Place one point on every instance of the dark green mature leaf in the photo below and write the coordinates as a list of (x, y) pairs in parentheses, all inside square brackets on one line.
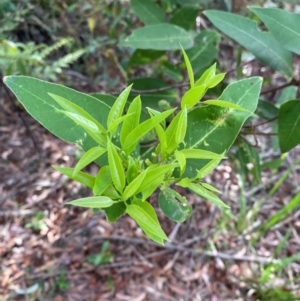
[(151, 99), (289, 125), (283, 25), (115, 211), (148, 11), (80, 177), (205, 50), (215, 128), (261, 44), (248, 154), (93, 202), (106, 98), (162, 36), (185, 17), (266, 110), (172, 208), (33, 94), (144, 56)]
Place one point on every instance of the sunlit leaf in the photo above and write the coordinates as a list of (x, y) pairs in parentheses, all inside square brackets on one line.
[(103, 180), (93, 202)]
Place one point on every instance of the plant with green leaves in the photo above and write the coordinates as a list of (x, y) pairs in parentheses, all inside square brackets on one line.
[(189, 143)]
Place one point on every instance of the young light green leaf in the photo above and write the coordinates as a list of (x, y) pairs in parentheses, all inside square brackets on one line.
[(210, 187), (146, 206), (133, 186), (181, 127), (185, 182), (150, 189), (173, 209), (146, 222), (189, 68), (142, 129), (73, 108), (207, 76), (215, 80), (132, 170), (155, 172), (103, 181), (180, 157), (117, 109), (83, 122), (133, 121), (80, 177), (160, 132), (113, 127), (207, 195), (111, 192), (225, 104), (193, 96), (93, 202), (90, 156), (208, 168), (116, 167), (200, 154)]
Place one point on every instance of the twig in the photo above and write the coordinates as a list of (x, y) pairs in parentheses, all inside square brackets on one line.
[(293, 82), (194, 250)]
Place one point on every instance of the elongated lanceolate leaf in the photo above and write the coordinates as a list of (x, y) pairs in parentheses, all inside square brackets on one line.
[(200, 154), (115, 211), (181, 126), (215, 128), (289, 125), (90, 156), (116, 110), (262, 44), (133, 186), (93, 202), (193, 96), (148, 11), (70, 107), (33, 94), (147, 223), (283, 25), (155, 173), (116, 167), (80, 177), (133, 121), (188, 68), (161, 36), (103, 180), (142, 129)]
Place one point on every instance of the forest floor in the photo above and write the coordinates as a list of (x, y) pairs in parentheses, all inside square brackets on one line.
[(49, 251)]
